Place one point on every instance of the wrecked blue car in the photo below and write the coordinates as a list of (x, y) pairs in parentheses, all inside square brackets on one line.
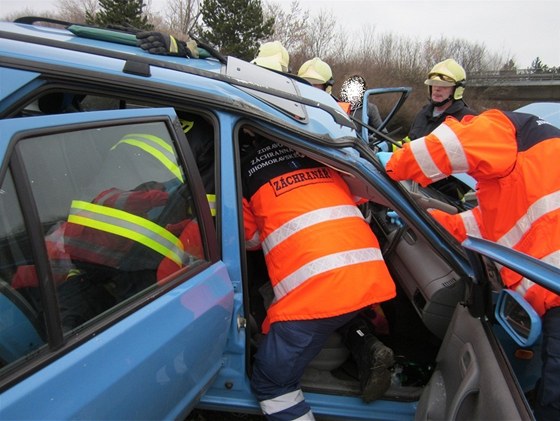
[(150, 309)]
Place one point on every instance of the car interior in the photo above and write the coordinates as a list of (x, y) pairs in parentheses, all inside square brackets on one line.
[(413, 324)]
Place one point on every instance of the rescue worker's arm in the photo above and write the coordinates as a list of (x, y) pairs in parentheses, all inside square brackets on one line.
[(252, 233), (460, 224), (483, 146), (139, 203)]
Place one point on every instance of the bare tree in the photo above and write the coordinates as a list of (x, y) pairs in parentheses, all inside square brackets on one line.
[(290, 27), (75, 10), (321, 36), (27, 11), (181, 16)]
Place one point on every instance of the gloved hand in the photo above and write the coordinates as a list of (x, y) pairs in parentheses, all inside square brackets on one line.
[(163, 44), (394, 218), (384, 157)]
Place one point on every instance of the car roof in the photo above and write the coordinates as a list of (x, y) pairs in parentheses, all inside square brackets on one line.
[(549, 111), (225, 82)]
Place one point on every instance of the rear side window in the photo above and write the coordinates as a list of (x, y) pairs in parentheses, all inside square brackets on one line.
[(118, 219)]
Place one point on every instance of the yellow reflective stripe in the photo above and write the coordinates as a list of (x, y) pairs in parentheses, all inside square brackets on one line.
[(212, 203), (175, 255), (186, 125), (150, 137), (132, 139), (126, 233), (167, 163), (173, 45)]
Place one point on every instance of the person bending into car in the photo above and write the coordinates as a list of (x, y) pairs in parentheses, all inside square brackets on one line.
[(323, 262), (513, 157)]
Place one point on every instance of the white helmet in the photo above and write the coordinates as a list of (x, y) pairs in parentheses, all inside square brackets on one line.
[(273, 55)]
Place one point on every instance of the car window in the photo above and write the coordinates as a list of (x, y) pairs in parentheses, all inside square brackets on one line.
[(198, 129), (118, 218)]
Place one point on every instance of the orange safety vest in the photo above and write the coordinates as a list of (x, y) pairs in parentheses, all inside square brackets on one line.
[(513, 157), (322, 258)]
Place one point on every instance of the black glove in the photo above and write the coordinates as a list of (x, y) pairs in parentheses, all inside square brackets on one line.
[(163, 44)]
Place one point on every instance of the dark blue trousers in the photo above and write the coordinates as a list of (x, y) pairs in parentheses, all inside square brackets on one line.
[(281, 359)]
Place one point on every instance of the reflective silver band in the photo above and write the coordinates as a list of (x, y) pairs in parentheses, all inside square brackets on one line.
[(325, 264), (537, 210), (282, 402), (307, 220)]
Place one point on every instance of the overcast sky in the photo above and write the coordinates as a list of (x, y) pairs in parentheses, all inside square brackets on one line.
[(524, 29)]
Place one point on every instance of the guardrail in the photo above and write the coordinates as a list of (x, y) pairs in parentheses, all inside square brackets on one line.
[(511, 75)]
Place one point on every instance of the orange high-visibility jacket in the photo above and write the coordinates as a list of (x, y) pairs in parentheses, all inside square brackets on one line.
[(461, 224), (322, 258), (514, 159)]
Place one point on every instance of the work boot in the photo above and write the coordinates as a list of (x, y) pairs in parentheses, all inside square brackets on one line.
[(374, 361)]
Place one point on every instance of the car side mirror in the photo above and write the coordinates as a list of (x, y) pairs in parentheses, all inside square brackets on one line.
[(518, 318)]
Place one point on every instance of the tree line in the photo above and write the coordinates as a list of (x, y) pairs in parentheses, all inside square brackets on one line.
[(238, 27)]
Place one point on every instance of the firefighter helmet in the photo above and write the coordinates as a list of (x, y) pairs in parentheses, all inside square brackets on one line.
[(448, 73), (317, 72), (273, 55)]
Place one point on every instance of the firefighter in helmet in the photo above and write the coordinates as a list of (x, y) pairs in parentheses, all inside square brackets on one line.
[(446, 85)]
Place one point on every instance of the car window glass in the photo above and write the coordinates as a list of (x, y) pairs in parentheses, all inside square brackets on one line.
[(117, 212), (198, 130)]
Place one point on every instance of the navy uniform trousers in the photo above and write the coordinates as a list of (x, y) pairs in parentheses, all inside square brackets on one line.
[(280, 361)]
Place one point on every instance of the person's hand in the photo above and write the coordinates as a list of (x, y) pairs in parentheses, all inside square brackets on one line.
[(384, 157), (162, 44), (394, 218)]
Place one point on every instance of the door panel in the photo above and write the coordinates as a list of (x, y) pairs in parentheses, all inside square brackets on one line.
[(470, 381), (156, 345)]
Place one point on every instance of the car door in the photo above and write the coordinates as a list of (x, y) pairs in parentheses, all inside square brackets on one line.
[(473, 379), (114, 303)]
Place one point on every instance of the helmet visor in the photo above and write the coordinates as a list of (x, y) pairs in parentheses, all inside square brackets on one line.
[(438, 79)]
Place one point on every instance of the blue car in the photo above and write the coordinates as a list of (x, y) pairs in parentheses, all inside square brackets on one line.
[(126, 291)]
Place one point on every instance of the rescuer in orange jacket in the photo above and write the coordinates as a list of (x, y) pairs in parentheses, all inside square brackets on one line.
[(514, 159), (323, 261)]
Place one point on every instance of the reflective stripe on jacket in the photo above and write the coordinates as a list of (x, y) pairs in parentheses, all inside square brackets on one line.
[(322, 258), (461, 224), (104, 231), (513, 157), (156, 147)]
